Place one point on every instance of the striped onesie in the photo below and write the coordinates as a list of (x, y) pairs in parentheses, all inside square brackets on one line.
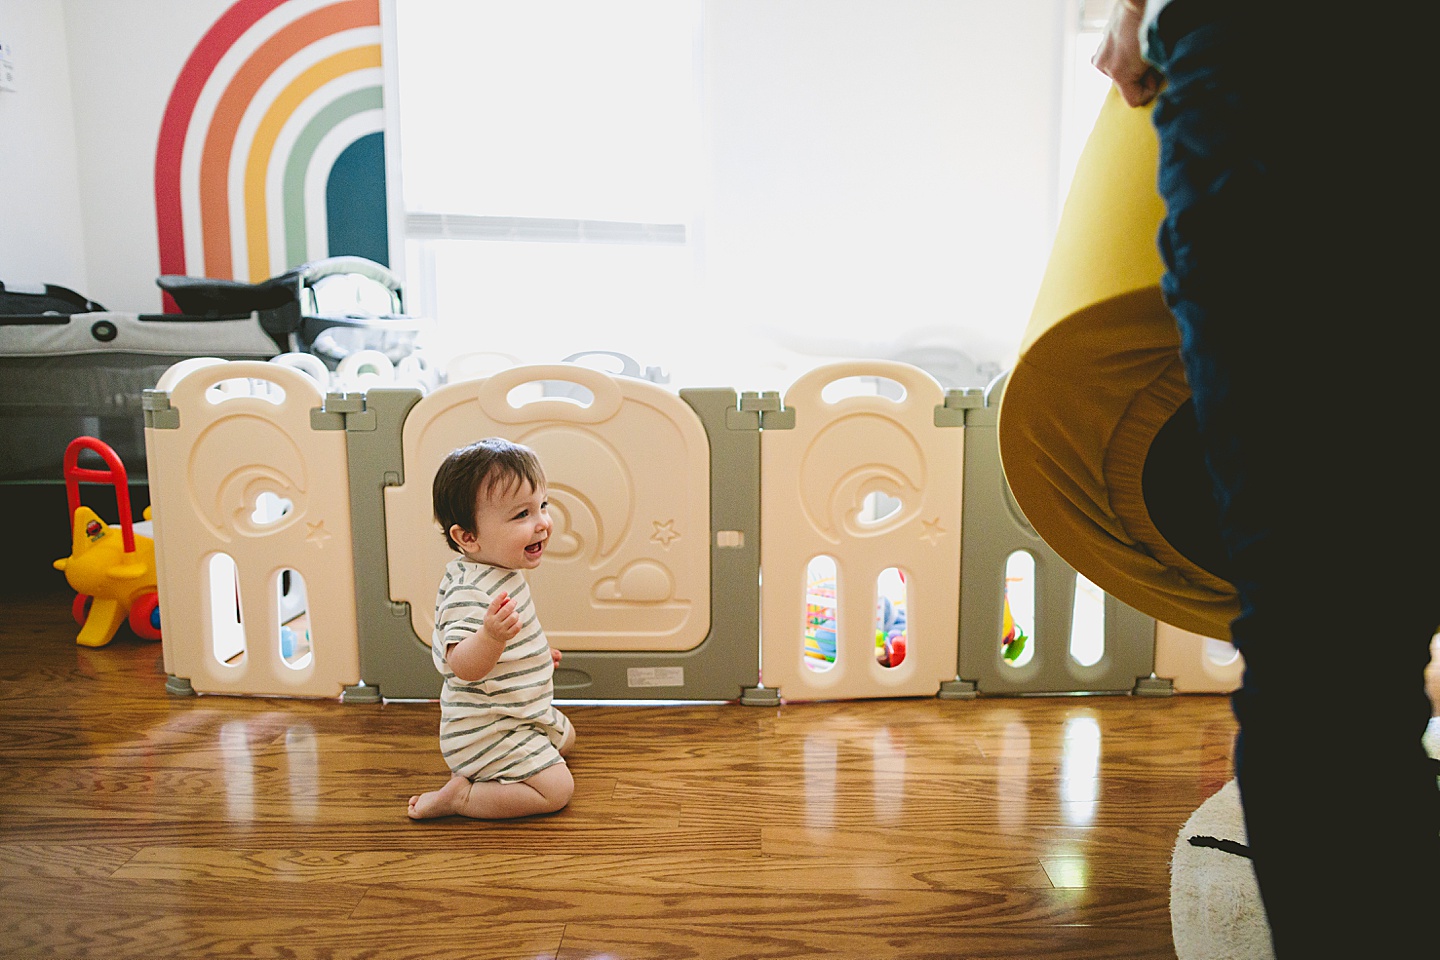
[(502, 727)]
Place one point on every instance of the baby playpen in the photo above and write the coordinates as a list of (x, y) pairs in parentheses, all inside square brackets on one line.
[(851, 537), (688, 526)]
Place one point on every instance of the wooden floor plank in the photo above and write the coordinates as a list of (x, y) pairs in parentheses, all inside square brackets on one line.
[(884, 938)]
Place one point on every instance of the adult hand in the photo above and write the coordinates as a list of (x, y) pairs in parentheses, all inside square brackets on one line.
[(1118, 56)]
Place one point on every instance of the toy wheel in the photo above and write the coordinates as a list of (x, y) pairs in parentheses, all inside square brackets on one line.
[(80, 607), (145, 617)]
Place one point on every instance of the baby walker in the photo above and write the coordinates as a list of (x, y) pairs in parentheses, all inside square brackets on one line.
[(111, 568)]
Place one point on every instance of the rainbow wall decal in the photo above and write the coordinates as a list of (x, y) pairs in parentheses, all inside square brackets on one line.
[(271, 147)]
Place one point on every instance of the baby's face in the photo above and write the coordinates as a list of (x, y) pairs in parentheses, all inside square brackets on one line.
[(512, 526)]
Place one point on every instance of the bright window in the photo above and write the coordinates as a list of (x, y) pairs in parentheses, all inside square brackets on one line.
[(734, 191), (549, 158), (565, 109)]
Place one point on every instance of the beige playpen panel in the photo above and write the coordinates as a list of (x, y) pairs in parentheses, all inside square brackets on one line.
[(1194, 663), (208, 480), (628, 566), (815, 479)]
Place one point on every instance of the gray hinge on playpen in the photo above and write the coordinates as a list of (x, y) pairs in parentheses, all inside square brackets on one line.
[(342, 411), (958, 690), (1153, 686), (158, 412), (360, 693), (351, 413), (966, 407), (953, 412), (760, 697), (760, 411)]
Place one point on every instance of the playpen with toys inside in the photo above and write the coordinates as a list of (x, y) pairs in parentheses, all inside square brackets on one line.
[(667, 506)]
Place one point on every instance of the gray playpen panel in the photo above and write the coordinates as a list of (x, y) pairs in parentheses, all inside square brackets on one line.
[(396, 664), (994, 529)]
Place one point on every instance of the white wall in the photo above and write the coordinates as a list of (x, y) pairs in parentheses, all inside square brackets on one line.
[(41, 237), (124, 60), (77, 141)]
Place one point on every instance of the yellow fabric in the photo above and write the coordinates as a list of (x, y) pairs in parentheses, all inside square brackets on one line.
[(1099, 374)]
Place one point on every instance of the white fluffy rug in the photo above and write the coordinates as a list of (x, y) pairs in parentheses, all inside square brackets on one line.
[(1215, 911)]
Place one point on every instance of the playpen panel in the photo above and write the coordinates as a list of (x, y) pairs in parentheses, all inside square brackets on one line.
[(1195, 663), (821, 482), (627, 462), (996, 530), (250, 502)]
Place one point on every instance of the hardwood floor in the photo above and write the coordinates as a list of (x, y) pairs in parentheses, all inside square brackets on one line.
[(138, 824)]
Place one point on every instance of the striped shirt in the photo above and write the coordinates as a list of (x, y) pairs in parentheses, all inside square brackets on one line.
[(502, 727)]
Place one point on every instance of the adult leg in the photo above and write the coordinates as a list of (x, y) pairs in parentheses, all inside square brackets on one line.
[(1306, 341)]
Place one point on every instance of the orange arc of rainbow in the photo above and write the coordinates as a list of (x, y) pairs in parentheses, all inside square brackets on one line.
[(257, 227), (230, 111)]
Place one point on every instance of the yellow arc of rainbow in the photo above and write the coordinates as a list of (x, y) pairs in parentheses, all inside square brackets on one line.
[(257, 227)]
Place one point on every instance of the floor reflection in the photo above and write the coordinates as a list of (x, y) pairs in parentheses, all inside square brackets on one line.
[(1080, 769), (237, 765), (820, 754), (302, 760), (888, 767), (1013, 787), (831, 761), (293, 753)]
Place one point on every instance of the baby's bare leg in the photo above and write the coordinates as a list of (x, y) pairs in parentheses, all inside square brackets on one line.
[(547, 791), (568, 742)]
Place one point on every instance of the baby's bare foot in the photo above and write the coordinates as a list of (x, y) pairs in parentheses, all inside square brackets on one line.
[(439, 803)]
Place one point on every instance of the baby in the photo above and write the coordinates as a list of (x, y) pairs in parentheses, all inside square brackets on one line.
[(503, 740)]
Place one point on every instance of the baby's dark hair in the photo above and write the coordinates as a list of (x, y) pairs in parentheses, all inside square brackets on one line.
[(484, 465)]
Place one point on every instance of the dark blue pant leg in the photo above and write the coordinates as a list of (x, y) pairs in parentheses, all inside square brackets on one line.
[(1299, 257)]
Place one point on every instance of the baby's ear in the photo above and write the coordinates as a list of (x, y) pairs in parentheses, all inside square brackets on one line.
[(461, 536)]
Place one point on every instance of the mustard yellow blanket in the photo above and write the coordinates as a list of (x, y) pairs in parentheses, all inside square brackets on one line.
[(1099, 375)]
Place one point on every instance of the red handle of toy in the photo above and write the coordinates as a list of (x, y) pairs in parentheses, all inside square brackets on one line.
[(115, 474)]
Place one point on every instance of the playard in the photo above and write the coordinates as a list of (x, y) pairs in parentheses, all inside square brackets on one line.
[(72, 368), (847, 538)]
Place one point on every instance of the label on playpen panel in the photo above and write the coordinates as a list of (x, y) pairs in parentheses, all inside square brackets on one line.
[(655, 677)]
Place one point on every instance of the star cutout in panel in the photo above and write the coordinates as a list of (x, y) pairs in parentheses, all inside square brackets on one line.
[(934, 533), (664, 532), (316, 532)]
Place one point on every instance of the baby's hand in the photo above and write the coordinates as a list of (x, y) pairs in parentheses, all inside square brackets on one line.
[(502, 620), (554, 657)]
